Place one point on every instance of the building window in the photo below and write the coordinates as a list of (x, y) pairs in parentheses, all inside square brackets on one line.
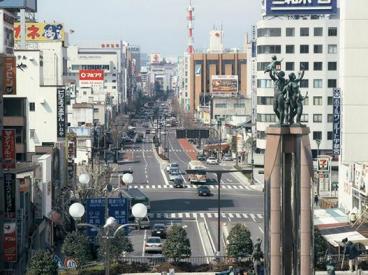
[(330, 118), (304, 48), (220, 105), (261, 134), (332, 31), (317, 66), (264, 83), (332, 66), (32, 106), (306, 101), (304, 31), (317, 135), (317, 83), (332, 48), (332, 83), (304, 83), (290, 31), (268, 32), (289, 66), (114, 87), (266, 117), (239, 105), (290, 49), (329, 135), (329, 100), (304, 66), (264, 100), (318, 31), (261, 66), (317, 100), (318, 48), (317, 118), (95, 110), (304, 118), (268, 49)]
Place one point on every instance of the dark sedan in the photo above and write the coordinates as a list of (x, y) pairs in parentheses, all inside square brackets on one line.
[(203, 191), (159, 230)]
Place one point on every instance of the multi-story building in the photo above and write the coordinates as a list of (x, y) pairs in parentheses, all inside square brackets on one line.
[(353, 138), (183, 83), (307, 43)]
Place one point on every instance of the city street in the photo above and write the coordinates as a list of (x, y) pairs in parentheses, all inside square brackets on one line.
[(240, 202)]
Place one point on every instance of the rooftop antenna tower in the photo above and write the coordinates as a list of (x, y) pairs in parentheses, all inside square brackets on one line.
[(190, 19)]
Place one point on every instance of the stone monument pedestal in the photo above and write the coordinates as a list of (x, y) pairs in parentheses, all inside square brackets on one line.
[(288, 201)]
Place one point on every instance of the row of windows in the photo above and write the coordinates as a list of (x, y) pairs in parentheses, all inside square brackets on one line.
[(235, 105), (317, 100), (90, 67), (266, 117), (290, 66), (276, 32), (304, 83), (290, 49), (316, 134)]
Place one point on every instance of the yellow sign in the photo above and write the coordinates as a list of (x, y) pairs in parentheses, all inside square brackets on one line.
[(41, 32)]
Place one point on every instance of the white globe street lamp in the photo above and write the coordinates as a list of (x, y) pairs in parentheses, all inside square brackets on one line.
[(84, 179), (127, 178), (110, 221), (139, 210), (76, 210)]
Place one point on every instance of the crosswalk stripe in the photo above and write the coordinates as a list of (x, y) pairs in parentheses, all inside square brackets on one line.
[(173, 215), (158, 186), (209, 215), (260, 216), (195, 215), (253, 217), (231, 215), (159, 215), (201, 215), (166, 215), (223, 215), (212, 187), (238, 215), (241, 187), (245, 215), (180, 215), (235, 187), (153, 186), (187, 215), (216, 215), (229, 187)]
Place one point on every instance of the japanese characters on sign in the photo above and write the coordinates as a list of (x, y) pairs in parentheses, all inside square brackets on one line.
[(304, 7), (61, 113), (118, 208), (87, 77), (336, 128), (9, 194), (224, 84), (10, 242), (41, 32), (8, 142), (9, 75)]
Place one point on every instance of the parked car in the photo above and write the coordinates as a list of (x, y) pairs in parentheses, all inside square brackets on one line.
[(212, 160), (203, 191), (159, 230), (174, 174), (201, 157), (172, 165), (178, 183), (148, 131), (228, 157), (153, 244)]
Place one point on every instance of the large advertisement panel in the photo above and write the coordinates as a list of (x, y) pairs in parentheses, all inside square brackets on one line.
[(41, 32), (10, 75), (224, 84), (30, 5), (6, 32), (8, 142), (336, 133), (91, 77), (10, 242), (300, 7), (9, 195), (61, 113)]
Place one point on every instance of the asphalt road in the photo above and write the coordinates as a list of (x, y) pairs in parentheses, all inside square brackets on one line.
[(240, 203)]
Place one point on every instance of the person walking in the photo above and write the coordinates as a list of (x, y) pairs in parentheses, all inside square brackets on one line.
[(316, 199)]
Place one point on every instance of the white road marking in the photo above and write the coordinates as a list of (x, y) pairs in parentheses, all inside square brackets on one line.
[(187, 215), (209, 215), (201, 215), (253, 217), (238, 215), (245, 215), (200, 237), (260, 229), (153, 186), (144, 242), (260, 216), (231, 215), (180, 215), (164, 176), (173, 215)]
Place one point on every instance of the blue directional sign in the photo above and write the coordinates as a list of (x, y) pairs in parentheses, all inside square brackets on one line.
[(300, 7), (118, 208), (95, 209)]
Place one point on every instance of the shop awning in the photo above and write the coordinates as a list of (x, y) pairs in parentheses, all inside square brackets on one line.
[(330, 217)]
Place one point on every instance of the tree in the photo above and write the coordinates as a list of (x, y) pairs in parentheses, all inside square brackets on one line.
[(320, 249), (117, 245), (177, 245), (42, 263), (239, 242), (76, 246)]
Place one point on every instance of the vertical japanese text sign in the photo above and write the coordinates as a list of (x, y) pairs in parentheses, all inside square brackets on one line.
[(336, 132), (61, 113)]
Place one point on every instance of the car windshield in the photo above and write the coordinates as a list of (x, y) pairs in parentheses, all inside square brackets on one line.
[(175, 172), (173, 165), (154, 240), (159, 226)]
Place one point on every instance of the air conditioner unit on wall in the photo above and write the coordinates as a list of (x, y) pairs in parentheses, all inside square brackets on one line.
[(32, 133)]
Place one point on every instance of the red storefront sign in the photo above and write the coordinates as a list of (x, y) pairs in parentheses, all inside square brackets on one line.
[(10, 242), (91, 76), (8, 148), (10, 75)]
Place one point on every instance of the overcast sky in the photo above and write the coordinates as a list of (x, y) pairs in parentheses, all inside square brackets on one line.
[(154, 25)]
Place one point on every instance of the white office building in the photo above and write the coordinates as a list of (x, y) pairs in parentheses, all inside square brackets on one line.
[(311, 42)]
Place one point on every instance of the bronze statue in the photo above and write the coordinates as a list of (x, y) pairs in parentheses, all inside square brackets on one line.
[(288, 101), (257, 256)]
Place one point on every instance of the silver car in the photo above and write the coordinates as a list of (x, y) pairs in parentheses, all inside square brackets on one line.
[(153, 244)]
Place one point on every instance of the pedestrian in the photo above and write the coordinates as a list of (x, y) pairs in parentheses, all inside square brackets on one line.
[(316, 199)]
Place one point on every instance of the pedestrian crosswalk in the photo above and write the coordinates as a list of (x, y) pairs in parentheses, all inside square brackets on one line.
[(253, 217), (234, 187), (151, 150)]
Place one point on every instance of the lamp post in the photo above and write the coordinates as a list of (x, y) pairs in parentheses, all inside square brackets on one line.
[(139, 211), (219, 125), (76, 210), (127, 179), (318, 142)]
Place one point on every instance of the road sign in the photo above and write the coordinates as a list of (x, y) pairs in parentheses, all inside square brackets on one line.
[(118, 208), (323, 164), (70, 263), (192, 133)]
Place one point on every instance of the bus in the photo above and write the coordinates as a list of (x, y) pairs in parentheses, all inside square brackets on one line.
[(199, 177), (135, 195)]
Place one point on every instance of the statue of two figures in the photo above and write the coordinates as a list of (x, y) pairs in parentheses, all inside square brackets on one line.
[(288, 100)]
